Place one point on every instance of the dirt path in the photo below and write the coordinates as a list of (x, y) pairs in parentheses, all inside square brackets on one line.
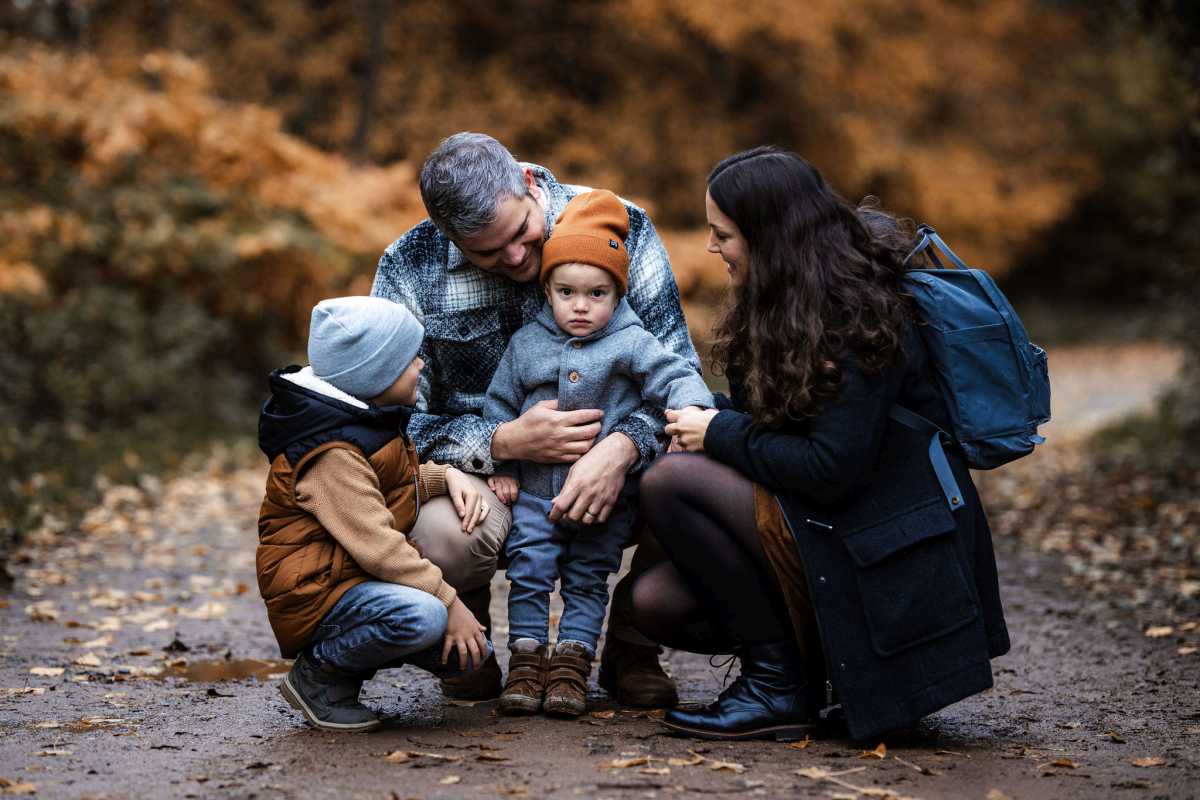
[(158, 599)]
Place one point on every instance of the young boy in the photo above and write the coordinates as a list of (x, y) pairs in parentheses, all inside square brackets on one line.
[(585, 349), (346, 592)]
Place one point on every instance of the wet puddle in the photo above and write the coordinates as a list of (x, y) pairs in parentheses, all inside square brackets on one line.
[(232, 670)]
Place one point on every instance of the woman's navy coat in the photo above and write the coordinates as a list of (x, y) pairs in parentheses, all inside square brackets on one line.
[(905, 591)]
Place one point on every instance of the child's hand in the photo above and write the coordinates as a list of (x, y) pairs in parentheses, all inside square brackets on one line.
[(505, 487), (468, 502), (465, 633)]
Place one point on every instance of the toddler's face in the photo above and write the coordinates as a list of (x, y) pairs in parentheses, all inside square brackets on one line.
[(404, 391), (582, 298)]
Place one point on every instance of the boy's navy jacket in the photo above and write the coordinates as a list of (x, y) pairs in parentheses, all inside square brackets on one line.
[(616, 368), (296, 419), (905, 591)]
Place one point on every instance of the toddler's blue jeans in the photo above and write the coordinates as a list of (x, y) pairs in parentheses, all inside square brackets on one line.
[(378, 625), (582, 556)]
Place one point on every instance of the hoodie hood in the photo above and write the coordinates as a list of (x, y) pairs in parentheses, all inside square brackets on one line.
[(302, 414), (623, 317)]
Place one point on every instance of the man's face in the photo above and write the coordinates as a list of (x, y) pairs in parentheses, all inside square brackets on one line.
[(512, 245)]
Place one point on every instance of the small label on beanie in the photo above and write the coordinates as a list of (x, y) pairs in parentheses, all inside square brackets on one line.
[(613, 244)]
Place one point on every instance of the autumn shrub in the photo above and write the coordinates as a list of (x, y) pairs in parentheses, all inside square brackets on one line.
[(143, 296)]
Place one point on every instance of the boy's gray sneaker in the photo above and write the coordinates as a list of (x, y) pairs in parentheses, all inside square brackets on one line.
[(326, 697)]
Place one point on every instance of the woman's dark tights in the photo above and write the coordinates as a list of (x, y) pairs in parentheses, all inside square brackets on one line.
[(717, 590)]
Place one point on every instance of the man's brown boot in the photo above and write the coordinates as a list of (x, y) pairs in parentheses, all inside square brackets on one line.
[(631, 675), (526, 684), (566, 687), (483, 683)]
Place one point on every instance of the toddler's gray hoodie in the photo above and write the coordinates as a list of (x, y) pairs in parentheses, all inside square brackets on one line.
[(614, 369)]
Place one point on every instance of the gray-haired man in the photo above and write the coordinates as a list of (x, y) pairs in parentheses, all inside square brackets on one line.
[(469, 273)]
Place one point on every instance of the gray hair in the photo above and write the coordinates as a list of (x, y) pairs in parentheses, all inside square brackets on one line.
[(464, 180)]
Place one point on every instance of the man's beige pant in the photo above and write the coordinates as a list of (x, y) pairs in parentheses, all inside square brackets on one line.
[(467, 560)]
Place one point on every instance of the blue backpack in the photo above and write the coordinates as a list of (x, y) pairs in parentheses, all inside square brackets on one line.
[(994, 380)]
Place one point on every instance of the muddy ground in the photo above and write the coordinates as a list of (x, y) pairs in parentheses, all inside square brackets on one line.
[(114, 641)]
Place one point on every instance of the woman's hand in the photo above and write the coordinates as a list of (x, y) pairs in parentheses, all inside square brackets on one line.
[(688, 425), (465, 633), (468, 502), (505, 487)]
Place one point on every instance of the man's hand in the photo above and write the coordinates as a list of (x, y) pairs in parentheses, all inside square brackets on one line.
[(546, 435), (688, 426), (464, 632), (505, 488), (468, 502), (594, 481)]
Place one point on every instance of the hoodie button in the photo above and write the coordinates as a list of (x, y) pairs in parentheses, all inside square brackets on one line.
[(577, 345), (573, 377)]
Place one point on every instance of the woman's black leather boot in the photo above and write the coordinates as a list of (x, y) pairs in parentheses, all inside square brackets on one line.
[(768, 699)]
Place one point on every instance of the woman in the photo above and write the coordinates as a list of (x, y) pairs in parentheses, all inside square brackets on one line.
[(806, 531)]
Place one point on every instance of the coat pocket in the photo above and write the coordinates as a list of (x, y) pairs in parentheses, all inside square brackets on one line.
[(912, 582)]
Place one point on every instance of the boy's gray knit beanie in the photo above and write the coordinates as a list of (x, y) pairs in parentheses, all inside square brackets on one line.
[(362, 344)]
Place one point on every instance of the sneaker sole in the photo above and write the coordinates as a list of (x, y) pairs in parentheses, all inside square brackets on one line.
[(523, 709), (564, 708), (296, 701), (780, 733)]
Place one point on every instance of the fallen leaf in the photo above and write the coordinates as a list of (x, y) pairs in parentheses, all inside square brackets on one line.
[(54, 752), (50, 723), (1190, 626), (17, 787), (1116, 737), (1187, 650), (686, 762), (625, 763), (996, 794), (1065, 763), (403, 756), (470, 734), (103, 641), (46, 672), (1069, 726), (603, 714), (450, 780), (512, 791), (1159, 631), (726, 766), (156, 625), (20, 690), (42, 611), (1149, 761), (802, 744), (655, 771), (497, 757), (89, 660), (879, 752), (950, 753)]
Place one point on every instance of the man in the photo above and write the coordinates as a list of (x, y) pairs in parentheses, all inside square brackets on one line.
[(469, 272)]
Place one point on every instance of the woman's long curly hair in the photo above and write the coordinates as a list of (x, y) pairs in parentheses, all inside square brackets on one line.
[(820, 286)]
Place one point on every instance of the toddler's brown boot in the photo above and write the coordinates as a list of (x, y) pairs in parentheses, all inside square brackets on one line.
[(526, 684), (566, 686)]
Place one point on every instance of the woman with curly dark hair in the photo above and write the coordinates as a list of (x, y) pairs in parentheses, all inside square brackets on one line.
[(807, 531)]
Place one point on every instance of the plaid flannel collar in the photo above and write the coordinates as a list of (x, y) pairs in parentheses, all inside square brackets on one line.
[(557, 196)]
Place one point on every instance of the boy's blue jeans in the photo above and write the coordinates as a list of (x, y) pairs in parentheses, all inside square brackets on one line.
[(377, 625), (582, 556)]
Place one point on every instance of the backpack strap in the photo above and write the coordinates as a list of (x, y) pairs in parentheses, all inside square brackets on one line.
[(928, 242), (937, 452)]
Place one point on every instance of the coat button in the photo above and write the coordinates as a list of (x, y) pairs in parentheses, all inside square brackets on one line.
[(821, 579), (573, 377), (577, 345), (477, 463)]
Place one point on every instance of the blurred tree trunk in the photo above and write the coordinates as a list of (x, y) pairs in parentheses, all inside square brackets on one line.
[(374, 14)]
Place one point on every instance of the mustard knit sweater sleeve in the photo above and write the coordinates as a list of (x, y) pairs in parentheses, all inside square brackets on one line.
[(342, 491)]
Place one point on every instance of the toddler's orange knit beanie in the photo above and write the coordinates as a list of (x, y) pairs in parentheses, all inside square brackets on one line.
[(590, 230)]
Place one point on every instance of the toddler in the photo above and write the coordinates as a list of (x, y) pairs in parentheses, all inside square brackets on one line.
[(585, 349)]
